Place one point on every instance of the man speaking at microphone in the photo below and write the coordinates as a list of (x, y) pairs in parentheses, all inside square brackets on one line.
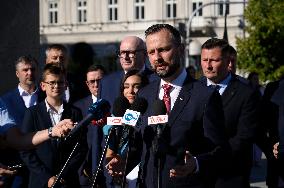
[(195, 119)]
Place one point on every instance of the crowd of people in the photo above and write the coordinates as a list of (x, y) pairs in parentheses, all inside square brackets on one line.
[(218, 125)]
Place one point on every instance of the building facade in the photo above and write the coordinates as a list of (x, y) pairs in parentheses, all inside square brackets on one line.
[(103, 23)]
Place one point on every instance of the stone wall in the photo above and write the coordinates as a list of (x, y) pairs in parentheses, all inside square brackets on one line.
[(19, 35)]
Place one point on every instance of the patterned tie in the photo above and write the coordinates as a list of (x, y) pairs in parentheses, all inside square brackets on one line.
[(167, 99)]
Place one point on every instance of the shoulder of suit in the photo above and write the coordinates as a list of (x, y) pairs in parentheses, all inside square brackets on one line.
[(113, 75), (11, 94), (82, 101)]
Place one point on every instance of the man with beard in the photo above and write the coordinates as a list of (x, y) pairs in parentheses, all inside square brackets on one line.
[(192, 145)]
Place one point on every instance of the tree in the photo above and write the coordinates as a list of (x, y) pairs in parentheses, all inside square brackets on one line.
[(263, 50)]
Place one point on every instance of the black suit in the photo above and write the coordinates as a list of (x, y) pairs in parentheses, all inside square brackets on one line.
[(47, 159), (278, 99), (240, 105), (195, 124)]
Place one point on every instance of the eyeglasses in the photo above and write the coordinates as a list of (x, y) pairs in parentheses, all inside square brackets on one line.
[(94, 81), (53, 83), (130, 54)]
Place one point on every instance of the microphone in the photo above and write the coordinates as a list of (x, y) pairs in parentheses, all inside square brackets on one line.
[(96, 111), (131, 121), (120, 105), (160, 117)]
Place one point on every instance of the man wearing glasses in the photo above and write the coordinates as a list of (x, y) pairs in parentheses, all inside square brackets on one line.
[(93, 76), (47, 160), (132, 55)]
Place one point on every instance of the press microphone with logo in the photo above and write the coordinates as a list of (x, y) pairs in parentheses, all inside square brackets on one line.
[(120, 105), (128, 146), (97, 110), (113, 124), (159, 118)]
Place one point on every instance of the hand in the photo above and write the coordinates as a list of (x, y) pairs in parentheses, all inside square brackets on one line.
[(189, 167), (62, 128), (115, 166), (5, 171), (275, 150), (51, 181)]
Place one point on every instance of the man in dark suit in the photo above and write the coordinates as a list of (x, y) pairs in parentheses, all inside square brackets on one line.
[(278, 99), (240, 104), (132, 55), (195, 130), (94, 136), (47, 160)]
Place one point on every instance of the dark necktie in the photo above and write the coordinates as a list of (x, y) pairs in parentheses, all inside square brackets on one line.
[(217, 87), (166, 98)]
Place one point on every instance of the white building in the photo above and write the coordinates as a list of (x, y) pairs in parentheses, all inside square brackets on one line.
[(106, 22)]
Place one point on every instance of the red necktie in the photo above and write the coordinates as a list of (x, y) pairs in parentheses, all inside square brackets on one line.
[(167, 98)]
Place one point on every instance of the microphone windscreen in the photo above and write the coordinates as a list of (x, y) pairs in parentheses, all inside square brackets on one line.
[(120, 105), (139, 105), (99, 108), (159, 108)]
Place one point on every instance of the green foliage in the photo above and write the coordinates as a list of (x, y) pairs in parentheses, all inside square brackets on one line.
[(263, 48)]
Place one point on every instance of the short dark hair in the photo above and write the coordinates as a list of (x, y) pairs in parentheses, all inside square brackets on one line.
[(218, 43), (96, 68), (158, 27), (52, 69), (26, 59), (56, 47), (144, 79)]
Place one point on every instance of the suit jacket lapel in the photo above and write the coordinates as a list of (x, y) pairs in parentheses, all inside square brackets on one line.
[(19, 99), (230, 91), (182, 99)]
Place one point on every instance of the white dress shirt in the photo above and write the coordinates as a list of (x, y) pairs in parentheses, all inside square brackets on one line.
[(29, 99), (54, 116)]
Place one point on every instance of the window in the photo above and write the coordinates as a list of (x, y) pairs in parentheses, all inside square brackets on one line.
[(171, 8), (196, 5), (53, 12), (112, 10), (139, 9), (223, 7), (82, 11)]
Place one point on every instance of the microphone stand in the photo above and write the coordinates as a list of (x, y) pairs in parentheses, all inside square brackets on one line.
[(58, 177), (127, 155), (100, 169), (158, 155)]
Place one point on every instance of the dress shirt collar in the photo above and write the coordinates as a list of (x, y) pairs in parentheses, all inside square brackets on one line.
[(94, 98), (178, 82), (49, 108), (25, 93), (223, 84)]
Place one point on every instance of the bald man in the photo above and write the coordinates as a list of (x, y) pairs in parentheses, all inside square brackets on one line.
[(132, 55)]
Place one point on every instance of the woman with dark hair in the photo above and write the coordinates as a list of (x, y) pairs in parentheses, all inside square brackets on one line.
[(130, 85), (132, 81)]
